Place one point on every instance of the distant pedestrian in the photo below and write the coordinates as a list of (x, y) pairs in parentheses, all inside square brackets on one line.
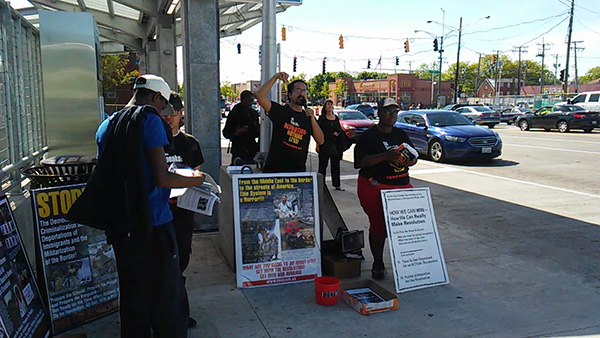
[(381, 167), (242, 129), (331, 150)]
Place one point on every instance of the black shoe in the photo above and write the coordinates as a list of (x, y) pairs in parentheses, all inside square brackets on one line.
[(192, 322), (378, 272)]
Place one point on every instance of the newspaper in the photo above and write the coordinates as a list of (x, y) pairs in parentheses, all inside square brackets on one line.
[(198, 199)]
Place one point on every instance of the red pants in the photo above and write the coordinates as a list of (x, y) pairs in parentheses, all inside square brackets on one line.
[(370, 199)]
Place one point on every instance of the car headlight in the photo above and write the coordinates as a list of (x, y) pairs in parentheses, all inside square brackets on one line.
[(346, 126), (455, 138)]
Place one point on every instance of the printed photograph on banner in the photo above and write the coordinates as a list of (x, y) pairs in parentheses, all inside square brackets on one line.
[(260, 241), (275, 219), (22, 312)]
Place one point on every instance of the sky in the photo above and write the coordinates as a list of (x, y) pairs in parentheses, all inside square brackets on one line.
[(378, 28)]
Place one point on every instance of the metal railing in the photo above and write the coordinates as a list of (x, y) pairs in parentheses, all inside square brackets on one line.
[(22, 133)]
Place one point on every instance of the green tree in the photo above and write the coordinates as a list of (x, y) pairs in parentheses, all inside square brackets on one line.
[(422, 72), (591, 75), (324, 94), (227, 91), (364, 75), (341, 87), (114, 73)]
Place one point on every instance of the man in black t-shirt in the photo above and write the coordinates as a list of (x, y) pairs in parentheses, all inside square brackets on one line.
[(184, 152), (242, 129), (292, 126)]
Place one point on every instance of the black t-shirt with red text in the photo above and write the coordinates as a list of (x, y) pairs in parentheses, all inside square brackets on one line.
[(289, 140), (374, 141)]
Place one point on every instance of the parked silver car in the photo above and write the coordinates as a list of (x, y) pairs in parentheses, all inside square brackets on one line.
[(481, 115)]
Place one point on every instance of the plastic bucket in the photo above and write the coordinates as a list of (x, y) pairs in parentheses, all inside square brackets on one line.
[(327, 290)]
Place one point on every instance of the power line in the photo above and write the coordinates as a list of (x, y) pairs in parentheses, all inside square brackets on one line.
[(518, 24), (546, 32), (593, 31)]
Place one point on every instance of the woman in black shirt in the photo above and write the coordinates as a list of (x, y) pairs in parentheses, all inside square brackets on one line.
[(381, 167), (329, 150)]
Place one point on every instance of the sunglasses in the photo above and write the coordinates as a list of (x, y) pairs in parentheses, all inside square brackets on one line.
[(390, 111)]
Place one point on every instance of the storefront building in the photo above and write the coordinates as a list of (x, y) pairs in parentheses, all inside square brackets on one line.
[(407, 88)]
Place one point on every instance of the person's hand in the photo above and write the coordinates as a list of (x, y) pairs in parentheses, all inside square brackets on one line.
[(393, 156), (283, 76), (336, 134), (310, 112), (198, 173)]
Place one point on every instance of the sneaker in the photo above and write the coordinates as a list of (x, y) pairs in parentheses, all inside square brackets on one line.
[(192, 322), (378, 274)]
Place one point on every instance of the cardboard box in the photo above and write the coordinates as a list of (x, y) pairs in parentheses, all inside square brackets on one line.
[(340, 267), (367, 305)]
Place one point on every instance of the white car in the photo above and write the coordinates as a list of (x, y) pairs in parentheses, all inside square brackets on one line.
[(587, 100)]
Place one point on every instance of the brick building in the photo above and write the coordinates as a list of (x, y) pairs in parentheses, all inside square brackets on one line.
[(406, 87), (506, 87)]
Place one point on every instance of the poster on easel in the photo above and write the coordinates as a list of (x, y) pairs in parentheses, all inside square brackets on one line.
[(277, 232), (417, 256), (22, 311), (76, 265)]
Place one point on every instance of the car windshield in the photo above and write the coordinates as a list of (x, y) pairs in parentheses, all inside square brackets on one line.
[(482, 109), (365, 108), (448, 119), (352, 115)]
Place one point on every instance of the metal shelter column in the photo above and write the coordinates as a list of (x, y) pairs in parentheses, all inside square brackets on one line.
[(165, 48), (151, 58), (269, 66), (200, 19)]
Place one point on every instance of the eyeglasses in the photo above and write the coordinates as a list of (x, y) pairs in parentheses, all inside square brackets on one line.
[(300, 91)]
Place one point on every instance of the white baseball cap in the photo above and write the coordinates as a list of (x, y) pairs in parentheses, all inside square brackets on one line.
[(154, 83)]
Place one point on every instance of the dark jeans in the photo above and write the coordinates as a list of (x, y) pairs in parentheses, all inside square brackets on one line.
[(152, 300), (335, 167), (183, 221)]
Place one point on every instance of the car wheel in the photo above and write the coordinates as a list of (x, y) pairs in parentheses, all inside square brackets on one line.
[(509, 122), (587, 130), (562, 126), (436, 151), (491, 125), (524, 125)]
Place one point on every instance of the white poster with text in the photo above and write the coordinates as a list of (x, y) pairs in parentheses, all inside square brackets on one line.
[(417, 256)]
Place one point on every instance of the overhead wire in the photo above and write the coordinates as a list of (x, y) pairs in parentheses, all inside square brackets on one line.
[(517, 24)]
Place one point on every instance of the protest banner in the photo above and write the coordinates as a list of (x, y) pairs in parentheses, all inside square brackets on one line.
[(277, 230), (75, 263), (417, 256), (22, 312)]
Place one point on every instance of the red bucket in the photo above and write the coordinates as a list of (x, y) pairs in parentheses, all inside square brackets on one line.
[(327, 290)]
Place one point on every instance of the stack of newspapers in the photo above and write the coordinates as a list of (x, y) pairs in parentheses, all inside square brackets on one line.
[(198, 199)]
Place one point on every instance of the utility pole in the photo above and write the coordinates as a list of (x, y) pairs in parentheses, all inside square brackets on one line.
[(497, 77), (575, 57), (478, 71), (566, 84), (524, 50), (457, 63), (542, 54), (409, 67), (556, 65)]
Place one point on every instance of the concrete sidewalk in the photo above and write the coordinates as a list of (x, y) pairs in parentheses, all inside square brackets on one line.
[(514, 272)]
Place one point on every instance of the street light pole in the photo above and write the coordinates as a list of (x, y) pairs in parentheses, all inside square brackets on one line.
[(457, 63), (439, 91)]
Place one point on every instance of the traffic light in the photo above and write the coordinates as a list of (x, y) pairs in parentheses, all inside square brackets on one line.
[(406, 47), (283, 33), (493, 59), (323, 66), (239, 46), (397, 61), (341, 42), (369, 64), (562, 75), (435, 45), (295, 64)]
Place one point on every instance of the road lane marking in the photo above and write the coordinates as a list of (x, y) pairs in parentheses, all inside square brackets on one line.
[(553, 139), (553, 149)]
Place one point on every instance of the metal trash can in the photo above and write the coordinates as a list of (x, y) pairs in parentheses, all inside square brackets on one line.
[(61, 170)]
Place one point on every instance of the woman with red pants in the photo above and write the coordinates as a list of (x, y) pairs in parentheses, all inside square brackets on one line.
[(381, 167)]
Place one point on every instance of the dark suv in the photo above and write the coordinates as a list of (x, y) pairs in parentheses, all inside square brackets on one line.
[(363, 108)]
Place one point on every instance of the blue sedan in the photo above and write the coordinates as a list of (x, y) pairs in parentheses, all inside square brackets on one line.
[(444, 135)]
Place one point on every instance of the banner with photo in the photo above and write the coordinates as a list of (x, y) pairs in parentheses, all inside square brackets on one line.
[(277, 231), (77, 266), (22, 312), (417, 256)]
